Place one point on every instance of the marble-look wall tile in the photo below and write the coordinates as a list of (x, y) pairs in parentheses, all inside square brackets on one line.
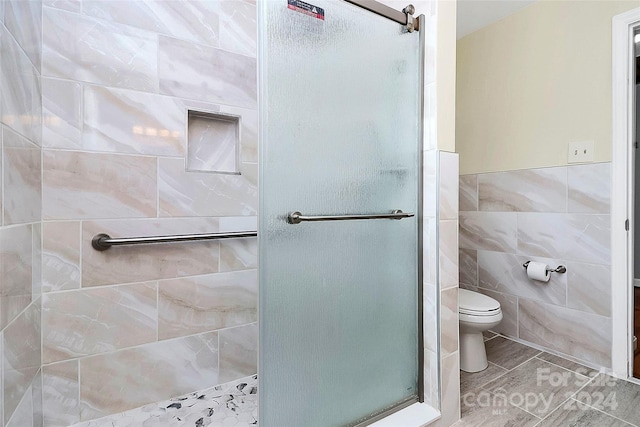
[(128, 264), (92, 321), (431, 256), (201, 72), (430, 107), (430, 308), (61, 256), (22, 178), (448, 179), (248, 131), (82, 48), (430, 184), (431, 380), (133, 377), (574, 237), (509, 305), (450, 384), (448, 254), (70, 5), (201, 194), (16, 271), (238, 352), (590, 188), (21, 347), (61, 113), (238, 27), (583, 335), (36, 395), (36, 266), (449, 323), (468, 259), (21, 91), (23, 19), (504, 273), (238, 223), (238, 254), (492, 231), (589, 288), (61, 394), (206, 303), (126, 121), (90, 185), (23, 414), (468, 199), (193, 20), (531, 190)]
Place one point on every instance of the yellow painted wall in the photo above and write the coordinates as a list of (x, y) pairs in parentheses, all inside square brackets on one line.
[(446, 75), (533, 82)]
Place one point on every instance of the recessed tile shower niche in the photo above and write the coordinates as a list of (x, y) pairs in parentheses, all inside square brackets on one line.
[(213, 142)]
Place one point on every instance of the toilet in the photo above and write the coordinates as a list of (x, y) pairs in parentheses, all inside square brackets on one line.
[(478, 313)]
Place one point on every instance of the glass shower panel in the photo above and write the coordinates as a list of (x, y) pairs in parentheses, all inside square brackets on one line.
[(341, 124)]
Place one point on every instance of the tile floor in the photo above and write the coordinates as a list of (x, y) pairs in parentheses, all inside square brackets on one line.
[(525, 387)]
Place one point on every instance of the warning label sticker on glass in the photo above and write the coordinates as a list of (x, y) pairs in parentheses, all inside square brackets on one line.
[(306, 8)]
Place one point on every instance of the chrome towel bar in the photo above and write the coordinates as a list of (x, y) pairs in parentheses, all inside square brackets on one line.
[(297, 217), (102, 242)]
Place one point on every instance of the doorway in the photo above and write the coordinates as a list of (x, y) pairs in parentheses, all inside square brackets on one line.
[(624, 227)]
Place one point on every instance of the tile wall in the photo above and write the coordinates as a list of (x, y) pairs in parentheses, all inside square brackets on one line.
[(559, 216), (94, 109), (136, 325), (21, 213), (441, 286)]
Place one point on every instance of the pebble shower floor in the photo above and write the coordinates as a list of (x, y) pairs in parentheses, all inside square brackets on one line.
[(233, 404)]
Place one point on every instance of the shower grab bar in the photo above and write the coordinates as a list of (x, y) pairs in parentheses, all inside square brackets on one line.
[(102, 242), (297, 217)]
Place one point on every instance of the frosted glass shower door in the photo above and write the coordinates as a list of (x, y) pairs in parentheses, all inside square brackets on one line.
[(340, 135)]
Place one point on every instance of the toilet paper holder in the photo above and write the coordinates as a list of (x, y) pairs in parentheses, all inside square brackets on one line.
[(558, 269)]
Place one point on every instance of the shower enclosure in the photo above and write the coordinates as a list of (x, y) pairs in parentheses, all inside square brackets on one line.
[(339, 223), (134, 124)]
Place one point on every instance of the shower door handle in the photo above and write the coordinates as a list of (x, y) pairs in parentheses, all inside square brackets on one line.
[(297, 217)]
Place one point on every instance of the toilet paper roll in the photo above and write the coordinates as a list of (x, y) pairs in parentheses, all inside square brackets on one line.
[(538, 271)]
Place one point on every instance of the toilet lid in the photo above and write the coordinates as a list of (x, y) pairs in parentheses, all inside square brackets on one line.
[(473, 302)]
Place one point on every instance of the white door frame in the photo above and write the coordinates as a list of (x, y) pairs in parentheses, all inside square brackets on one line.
[(623, 55)]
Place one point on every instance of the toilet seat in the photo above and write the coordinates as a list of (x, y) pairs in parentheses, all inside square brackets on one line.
[(475, 304)]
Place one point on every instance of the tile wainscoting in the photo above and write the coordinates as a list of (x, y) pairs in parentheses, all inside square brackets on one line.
[(559, 216)]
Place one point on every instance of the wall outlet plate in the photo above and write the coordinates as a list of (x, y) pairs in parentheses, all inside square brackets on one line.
[(580, 152)]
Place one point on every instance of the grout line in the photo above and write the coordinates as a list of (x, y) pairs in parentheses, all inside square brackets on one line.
[(80, 256), (140, 345), (157, 187), (530, 413), (79, 379), (480, 387), (516, 367), (566, 369), (114, 285), (489, 339), (157, 311), (601, 411)]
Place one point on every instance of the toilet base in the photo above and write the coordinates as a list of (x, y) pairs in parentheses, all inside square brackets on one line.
[(473, 354)]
